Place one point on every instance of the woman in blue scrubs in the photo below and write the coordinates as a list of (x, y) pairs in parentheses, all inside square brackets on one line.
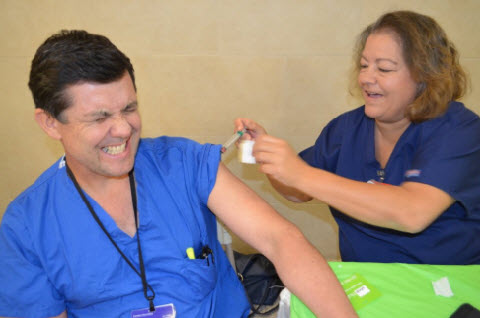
[(401, 173)]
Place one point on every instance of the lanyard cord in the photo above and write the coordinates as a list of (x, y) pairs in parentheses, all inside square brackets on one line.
[(133, 192)]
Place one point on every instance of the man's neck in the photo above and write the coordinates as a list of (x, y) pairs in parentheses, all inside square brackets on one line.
[(114, 195)]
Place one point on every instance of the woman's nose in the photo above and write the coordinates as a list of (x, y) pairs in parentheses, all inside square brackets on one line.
[(367, 76)]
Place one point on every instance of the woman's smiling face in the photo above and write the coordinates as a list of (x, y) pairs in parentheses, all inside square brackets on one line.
[(384, 78)]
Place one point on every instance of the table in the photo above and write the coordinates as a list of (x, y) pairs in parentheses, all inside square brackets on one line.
[(402, 290)]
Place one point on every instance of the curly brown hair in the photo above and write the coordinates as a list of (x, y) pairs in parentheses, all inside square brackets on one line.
[(432, 60)]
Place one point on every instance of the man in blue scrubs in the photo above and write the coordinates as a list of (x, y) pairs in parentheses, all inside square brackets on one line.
[(126, 227)]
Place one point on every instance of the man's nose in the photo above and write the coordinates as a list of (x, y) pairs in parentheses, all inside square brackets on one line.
[(120, 127)]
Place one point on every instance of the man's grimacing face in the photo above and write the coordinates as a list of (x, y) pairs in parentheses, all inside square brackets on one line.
[(101, 129)]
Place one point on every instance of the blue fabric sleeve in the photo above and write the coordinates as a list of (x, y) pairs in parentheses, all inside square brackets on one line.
[(25, 291), (208, 160), (200, 162), (449, 159)]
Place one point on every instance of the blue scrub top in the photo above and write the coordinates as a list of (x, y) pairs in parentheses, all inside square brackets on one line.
[(443, 152), (54, 256)]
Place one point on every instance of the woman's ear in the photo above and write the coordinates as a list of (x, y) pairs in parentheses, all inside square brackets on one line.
[(48, 123)]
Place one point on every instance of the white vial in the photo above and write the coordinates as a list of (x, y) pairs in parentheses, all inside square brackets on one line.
[(245, 151)]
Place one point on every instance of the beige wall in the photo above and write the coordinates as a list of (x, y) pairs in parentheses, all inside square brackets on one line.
[(201, 63)]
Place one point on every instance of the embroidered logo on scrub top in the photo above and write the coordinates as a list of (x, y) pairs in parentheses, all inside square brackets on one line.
[(413, 173)]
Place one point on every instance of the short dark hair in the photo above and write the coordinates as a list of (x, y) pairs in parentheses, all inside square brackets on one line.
[(431, 57), (71, 57)]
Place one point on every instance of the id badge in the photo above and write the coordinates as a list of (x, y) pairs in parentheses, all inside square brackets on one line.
[(162, 311)]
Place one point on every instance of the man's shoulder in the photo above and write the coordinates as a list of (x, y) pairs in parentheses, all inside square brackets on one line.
[(165, 143), (168, 144), (37, 189)]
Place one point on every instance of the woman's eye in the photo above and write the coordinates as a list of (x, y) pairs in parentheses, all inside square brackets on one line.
[(384, 70)]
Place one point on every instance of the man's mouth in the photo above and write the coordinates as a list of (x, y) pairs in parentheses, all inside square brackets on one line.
[(114, 150)]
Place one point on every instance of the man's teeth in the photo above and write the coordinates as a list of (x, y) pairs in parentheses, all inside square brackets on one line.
[(113, 150)]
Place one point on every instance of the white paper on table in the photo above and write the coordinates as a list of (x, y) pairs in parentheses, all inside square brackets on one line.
[(442, 287)]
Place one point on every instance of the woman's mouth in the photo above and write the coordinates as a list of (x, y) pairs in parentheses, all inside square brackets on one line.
[(373, 94)]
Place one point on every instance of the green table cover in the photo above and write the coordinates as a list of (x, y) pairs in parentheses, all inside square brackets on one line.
[(402, 290)]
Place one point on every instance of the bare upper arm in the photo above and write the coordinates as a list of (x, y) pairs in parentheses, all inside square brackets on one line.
[(246, 213)]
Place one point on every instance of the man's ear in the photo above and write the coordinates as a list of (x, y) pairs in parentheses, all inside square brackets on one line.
[(47, 123)]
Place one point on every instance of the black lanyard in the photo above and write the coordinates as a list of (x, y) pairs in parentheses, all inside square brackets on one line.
[(133, 192)]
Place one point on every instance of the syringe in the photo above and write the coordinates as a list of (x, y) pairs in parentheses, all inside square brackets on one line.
[(232, 140)]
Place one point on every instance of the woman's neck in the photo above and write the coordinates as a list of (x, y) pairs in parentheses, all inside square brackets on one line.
[(386, 137)]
